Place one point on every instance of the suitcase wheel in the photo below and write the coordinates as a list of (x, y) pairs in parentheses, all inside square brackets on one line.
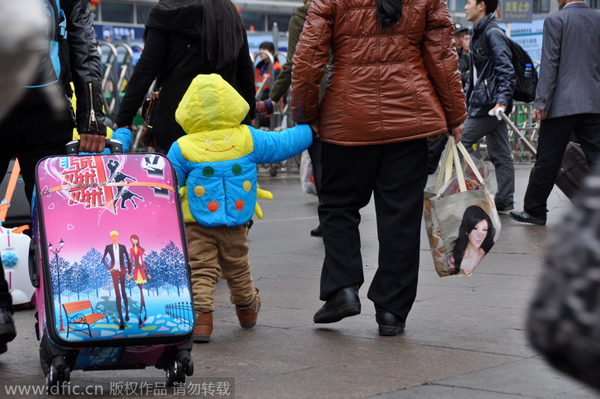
[(175, 374), (189, 369), (55, 378), (185, 358)]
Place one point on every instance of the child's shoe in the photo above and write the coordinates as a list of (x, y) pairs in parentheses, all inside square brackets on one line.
[(247, 315), (203, 326)]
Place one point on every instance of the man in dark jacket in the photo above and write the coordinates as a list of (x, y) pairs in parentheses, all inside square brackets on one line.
[(566, 100), (490, 88), (42, 123)]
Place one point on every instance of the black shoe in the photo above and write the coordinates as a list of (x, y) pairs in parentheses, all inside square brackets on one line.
[(316, 232), (7, 327), (343, 303), (525, 217), (122, 326), (504, 210), (389, 324), (3, 348)]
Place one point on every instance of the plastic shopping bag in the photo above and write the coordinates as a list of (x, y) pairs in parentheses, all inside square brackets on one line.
[(307, 179), (461, 219)]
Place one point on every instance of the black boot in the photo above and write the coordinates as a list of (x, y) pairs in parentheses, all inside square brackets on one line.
[(343, 303), (316, 232)]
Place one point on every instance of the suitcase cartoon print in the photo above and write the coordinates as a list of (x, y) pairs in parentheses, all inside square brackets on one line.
[(113, 284)]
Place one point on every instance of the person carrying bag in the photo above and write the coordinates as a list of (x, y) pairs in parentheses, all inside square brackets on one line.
[(460, 215)]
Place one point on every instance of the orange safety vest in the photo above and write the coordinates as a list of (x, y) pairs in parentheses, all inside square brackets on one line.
[(262, 74)]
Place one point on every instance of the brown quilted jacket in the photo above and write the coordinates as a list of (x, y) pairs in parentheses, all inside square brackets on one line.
[(383, 86)]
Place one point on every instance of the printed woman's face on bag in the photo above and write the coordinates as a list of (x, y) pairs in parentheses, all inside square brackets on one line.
[(475, 239), (478, 234)]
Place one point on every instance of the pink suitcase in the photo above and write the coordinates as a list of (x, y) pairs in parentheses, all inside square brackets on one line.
[(108, 301)]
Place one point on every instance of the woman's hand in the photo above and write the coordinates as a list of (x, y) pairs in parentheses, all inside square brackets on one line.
[(456, 133)]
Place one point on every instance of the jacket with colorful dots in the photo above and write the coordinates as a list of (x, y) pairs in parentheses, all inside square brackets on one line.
[(216, 160)]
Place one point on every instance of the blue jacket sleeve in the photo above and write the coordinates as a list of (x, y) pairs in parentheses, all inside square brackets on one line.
[(179, 163), (273, 147)]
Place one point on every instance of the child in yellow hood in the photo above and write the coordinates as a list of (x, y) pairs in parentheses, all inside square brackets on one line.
[(216, 167)]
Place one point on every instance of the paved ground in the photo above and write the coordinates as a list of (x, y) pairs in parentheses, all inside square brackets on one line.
[(465, 337)]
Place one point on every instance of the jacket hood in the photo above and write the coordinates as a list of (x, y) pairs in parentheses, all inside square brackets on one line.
[(181, 15), (210, 103)]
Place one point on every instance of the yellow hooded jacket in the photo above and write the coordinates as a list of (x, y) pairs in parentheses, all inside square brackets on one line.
[(216, 160)]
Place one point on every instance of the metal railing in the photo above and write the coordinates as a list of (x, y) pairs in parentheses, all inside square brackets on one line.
[(522, 117), (181, 311), (117, 68)]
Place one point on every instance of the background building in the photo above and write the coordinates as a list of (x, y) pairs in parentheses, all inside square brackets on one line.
[(123, 20), (259, 15)]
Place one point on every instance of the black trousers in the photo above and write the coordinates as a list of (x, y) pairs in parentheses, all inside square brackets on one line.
[(30, 134), (435, 148), (552, 143), (315, 159), (395, 174)]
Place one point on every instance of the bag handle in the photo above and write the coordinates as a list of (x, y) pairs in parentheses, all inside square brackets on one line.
[(445, 172), (451, 157), (10, 189), (459, 172), (470, 161)]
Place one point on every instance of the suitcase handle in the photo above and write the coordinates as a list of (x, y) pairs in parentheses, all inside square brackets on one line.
[(34, 265), (115, 146)]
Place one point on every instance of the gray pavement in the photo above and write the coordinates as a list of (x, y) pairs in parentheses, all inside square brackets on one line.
[(465, 337)]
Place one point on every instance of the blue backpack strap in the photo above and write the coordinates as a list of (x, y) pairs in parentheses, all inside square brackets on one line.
[(58, 34)]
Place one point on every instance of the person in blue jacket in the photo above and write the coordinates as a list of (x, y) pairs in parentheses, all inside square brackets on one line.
[(216, 166)]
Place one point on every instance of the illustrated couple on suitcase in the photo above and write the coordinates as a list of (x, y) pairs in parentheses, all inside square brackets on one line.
[(119, 269)]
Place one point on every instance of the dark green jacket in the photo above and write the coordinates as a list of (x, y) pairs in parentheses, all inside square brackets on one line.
[(284, 80)]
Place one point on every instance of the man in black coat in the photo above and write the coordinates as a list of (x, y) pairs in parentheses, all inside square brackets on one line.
[(42, 122)]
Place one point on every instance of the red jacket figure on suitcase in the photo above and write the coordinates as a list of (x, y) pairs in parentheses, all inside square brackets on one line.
[(118, 272), (140, 273)]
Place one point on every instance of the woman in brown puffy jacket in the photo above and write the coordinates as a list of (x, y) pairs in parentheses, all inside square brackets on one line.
[(393, 82)]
